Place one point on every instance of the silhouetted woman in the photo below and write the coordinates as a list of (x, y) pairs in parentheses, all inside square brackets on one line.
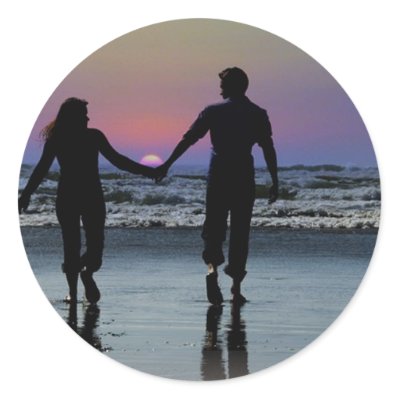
[(79, 192)]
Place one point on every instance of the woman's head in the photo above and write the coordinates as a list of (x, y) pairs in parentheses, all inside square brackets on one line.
[(71, 117)]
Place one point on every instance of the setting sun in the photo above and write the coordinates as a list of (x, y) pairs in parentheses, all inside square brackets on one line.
[(151, 160)]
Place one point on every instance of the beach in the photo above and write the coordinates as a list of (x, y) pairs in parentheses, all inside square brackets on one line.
[(154, 316)]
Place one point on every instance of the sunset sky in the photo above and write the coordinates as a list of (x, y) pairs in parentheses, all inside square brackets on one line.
[(146, 88)]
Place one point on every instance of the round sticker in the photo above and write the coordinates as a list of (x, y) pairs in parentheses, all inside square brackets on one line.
[(199, 199)]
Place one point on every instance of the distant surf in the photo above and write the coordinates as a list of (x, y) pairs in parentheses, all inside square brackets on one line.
[(313, 197)]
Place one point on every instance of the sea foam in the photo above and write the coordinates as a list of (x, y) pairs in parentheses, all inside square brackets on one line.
[(315, 197)]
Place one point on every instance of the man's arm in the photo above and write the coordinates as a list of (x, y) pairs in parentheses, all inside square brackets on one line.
[(272, 164), (198, 130), (266, 143), (179, 150)]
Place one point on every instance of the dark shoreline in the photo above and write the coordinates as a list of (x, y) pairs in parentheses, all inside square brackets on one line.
[(254, 228)]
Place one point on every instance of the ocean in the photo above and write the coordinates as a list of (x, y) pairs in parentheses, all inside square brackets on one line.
[(308, 254), (314, 197)]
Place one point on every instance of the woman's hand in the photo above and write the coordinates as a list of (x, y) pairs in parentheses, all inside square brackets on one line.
[(273, 193), (23, 203)]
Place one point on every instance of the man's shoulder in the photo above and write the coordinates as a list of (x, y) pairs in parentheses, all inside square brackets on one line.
[(216, 106), (255, 106), (243, 103)]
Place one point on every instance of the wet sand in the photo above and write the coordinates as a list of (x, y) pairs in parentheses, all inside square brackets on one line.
[(153, 315)]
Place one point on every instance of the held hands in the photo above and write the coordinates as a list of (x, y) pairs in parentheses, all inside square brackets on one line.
[(158, 174), (149, 172), (161, 172)]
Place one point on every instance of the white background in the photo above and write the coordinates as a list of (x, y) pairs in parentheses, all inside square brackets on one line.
[(357, 42)]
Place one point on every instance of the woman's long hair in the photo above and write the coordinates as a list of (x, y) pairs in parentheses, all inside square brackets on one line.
[(71, 115)]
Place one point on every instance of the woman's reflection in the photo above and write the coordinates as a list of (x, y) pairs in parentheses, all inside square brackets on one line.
[(90, 322)]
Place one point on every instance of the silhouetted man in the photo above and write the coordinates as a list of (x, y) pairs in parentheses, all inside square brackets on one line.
[(235, 125)]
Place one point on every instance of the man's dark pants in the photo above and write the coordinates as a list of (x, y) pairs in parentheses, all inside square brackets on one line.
[(229, 191)]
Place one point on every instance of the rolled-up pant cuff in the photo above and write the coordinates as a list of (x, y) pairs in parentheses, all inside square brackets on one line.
[(91, 264), (68, 268), (235, 274), (213, 254)]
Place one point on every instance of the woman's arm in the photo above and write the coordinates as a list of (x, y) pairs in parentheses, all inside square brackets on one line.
[(120, 161), (37, 176)]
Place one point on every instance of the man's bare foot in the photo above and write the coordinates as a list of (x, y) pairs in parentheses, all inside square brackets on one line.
[(237, 297)]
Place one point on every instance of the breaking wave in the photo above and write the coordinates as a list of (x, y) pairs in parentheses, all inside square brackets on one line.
[(321, 196)]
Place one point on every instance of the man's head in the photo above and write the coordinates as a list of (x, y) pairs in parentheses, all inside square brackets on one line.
[(234, 82)]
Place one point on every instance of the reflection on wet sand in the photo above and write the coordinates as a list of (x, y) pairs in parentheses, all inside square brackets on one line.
[(90, 322), (213, 364), (237, 350)]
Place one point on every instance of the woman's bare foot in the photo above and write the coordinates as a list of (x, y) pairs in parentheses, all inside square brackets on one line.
[(72, 279), (70, 300), (92, 293)]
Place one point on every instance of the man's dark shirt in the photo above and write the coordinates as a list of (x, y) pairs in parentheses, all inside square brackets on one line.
[(235, 125)]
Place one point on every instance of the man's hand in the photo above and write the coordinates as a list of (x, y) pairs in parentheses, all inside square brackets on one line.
[(23, 203), (273, 194)]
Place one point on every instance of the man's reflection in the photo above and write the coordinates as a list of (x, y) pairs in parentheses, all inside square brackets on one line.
[(213, 363), (237, 350), (212, 366)]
